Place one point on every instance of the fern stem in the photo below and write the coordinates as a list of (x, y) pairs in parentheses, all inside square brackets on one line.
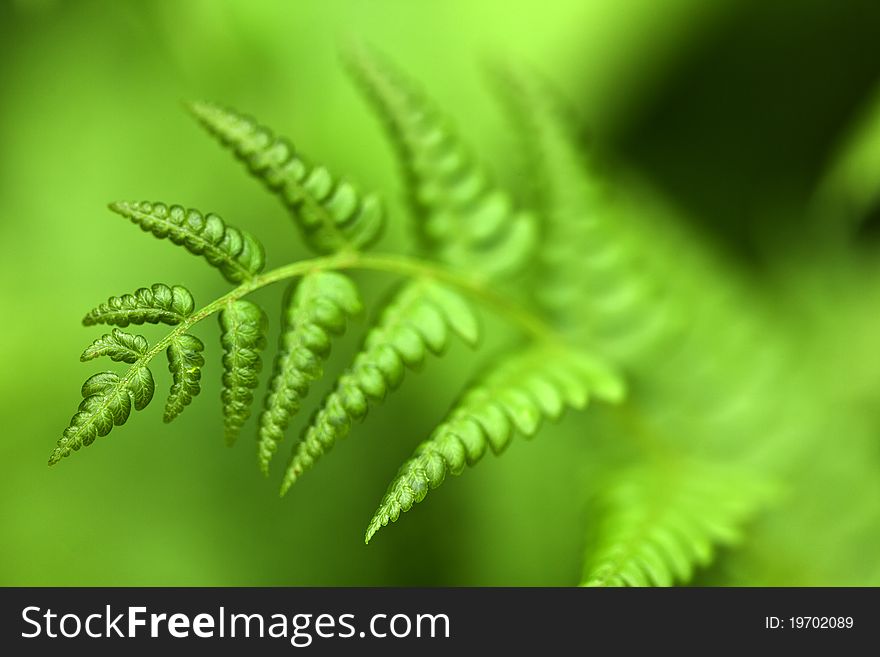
[(414, 267), (406, 266)]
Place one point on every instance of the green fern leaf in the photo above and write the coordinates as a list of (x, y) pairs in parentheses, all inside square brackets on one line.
[(663, 519), (332, 214), (185, 362), (619, 269), (157, 304), (418, 320), (464, 217), (118, 345), (577, 237), (243, 328), (314, 309), (514, 396), (237, 254), (107, 402), (604, 269)]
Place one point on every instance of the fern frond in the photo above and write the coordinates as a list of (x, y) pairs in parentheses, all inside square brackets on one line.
[(662, 519), (315, 308), (516, 395), (236, 253), (185, 362), (418, 320), (463, 216), (332, 214), (156, 304), (243, 328), (619, 269), (107, 402), (118, 345)]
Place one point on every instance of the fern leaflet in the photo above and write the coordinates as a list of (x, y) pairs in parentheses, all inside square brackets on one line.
[(243, 328), (332, 214), (314, 308), (107, 402), (463, 216), (185, 362), (418, 320), (516, 395), (157, 304), (118, 345), (597, 262), (662, 519), (237, 254)]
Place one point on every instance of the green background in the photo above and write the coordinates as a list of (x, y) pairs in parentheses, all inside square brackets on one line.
[(731, 106)]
